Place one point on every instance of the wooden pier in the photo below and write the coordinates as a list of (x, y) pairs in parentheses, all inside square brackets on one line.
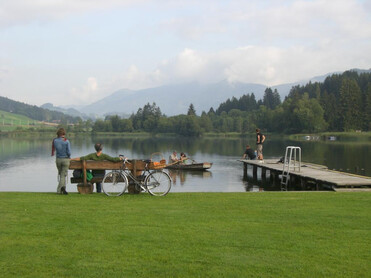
[(310, 176)]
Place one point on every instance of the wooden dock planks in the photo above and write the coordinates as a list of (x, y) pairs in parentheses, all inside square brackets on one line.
[(318, 173)]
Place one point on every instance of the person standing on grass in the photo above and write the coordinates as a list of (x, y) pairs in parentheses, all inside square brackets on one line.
[(260, 138), (98, 156), (61, 146)]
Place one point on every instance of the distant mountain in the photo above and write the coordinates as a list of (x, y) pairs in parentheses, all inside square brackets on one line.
[(115, 104), (321, 78), (69, 111), (175, 99)]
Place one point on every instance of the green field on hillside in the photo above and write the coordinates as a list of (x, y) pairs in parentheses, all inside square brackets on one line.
[(277, 234), (10, 121)]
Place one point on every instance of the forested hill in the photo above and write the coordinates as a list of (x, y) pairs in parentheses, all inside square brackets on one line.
[(341, 103), (345, 100), (34, 112)]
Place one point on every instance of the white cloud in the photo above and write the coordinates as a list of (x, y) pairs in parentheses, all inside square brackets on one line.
[(88, 93), (288, 41), (273, 21), (268, 42), (187, 65), (4, 71), (315, 20), (16, 12), (134, 79), (251, 64), (195, 27)]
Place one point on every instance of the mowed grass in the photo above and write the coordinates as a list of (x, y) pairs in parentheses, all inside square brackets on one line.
[(186, 235)]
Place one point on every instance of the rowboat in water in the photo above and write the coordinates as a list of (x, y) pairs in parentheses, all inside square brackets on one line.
[(192, 166)]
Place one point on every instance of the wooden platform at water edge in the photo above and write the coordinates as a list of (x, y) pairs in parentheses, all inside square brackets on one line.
[(310, 176)]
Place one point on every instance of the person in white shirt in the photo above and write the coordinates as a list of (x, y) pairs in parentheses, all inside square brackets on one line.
[(173, 158)]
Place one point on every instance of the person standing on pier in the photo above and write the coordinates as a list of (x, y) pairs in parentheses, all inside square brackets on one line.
[(260, 138)]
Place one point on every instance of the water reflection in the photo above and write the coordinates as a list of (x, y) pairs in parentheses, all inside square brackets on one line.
[(180, 176), (258, 183), (26, 164)]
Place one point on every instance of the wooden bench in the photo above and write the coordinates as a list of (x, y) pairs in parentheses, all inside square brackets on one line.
[(86, 187)]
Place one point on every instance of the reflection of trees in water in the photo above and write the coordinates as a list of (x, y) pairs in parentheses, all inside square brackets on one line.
[(20, 147), (260, 184), (347, 156), (181, 175), (221, 146)]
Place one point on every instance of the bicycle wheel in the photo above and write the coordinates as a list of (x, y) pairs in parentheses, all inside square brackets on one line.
[(114, 183), (158, 183)]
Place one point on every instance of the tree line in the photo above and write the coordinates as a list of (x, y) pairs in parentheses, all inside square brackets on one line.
[(341, 103)]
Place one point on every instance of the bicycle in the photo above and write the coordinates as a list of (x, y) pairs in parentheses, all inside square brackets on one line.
[(156, 182)]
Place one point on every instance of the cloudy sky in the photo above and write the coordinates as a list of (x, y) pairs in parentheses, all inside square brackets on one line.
[(78, 51)]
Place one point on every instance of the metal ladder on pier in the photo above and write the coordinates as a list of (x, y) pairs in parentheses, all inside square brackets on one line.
[(292, 162)]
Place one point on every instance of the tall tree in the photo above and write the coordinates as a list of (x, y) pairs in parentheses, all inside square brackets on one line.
[(351, 103), (309, 114), (205, 122), (332, 112), (276, 99), (191, 110), (146, 118), (367, 113), (268, 98)]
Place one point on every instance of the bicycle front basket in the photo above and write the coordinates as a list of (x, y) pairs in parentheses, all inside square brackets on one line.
[(157, 161)]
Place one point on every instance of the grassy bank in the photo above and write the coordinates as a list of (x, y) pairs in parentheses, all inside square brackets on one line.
[(186, 235), (343, 136), (10, 122), (50, 131)]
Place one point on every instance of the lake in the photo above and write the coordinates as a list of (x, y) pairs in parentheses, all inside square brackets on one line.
[(26, 164)]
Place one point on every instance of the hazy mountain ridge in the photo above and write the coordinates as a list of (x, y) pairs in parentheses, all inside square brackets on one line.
[(175, 99), (69, 111)]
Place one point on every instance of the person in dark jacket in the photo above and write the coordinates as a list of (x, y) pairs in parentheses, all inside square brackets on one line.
[(249, 153)]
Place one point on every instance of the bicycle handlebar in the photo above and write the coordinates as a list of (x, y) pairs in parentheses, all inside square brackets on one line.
[(125, 159)]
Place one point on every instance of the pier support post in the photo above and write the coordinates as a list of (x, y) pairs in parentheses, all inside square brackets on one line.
[(274, 178), (264, 173), (255, 172), (303, 183), (244, 170)]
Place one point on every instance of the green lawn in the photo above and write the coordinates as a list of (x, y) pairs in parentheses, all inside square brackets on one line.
[(273, 234)]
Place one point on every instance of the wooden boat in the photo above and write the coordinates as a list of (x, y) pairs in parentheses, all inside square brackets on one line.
[(193, 166)]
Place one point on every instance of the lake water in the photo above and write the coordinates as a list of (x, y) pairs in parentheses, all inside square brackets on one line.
[(26, 164)]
